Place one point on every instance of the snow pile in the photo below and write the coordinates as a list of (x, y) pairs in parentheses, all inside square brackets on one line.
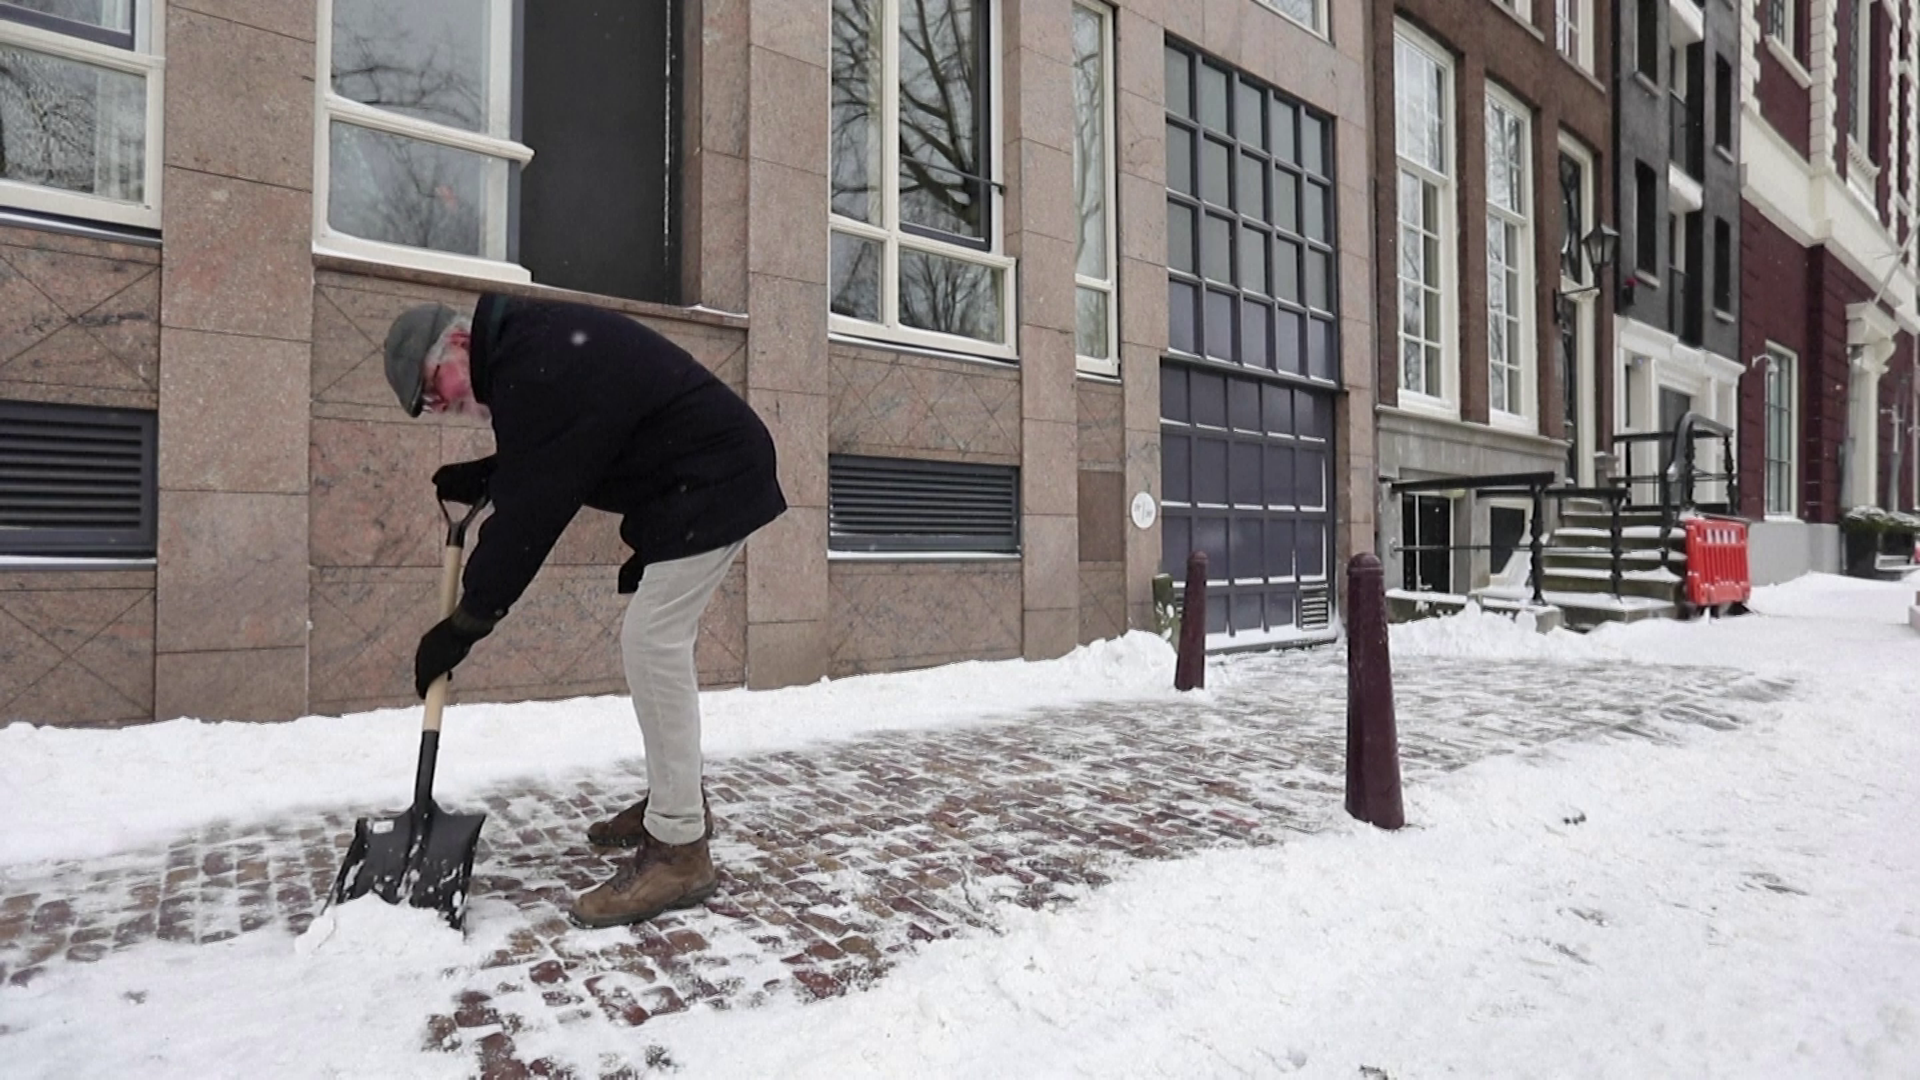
[(88, 792), (1476, 632)]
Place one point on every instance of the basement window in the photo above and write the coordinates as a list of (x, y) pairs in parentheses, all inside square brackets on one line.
[(76, 481), (899, 505)]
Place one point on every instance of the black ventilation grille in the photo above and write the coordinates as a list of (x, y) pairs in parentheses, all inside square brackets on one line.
[(895, 504), (76, 480), (1316, 611)]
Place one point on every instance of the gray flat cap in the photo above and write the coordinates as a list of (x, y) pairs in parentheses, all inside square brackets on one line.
[(412, 336)]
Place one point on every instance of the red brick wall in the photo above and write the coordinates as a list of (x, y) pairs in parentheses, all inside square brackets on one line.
[(1785, 104), (1774, 304), (1488, 43)]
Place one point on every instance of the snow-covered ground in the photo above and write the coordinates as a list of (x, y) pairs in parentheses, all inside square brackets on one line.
[(1741, 903)]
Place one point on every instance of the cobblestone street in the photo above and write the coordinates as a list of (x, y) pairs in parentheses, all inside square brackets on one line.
[(839, 859)]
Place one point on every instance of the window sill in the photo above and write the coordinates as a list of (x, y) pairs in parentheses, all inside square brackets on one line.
[(1317, 31), (53, 223), (1538, 34), (1795, 70), (349, 264), (902, 348), (1647, 84), (1725, 153), (931, 342), (1517, 423), (1783, 519), (1723, 316), (1412, 401), (923, 556)]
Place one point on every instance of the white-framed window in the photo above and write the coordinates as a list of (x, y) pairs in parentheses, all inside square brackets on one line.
[(1573, 31), (80, 108), (414, 150), (1782, 401), (916, 251), (1859, 71), (1096, 315), (1311, 14), (1780, 16), (1423, 145), (1510, 346)]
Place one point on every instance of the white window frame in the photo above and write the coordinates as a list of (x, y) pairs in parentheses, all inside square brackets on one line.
[(891, 237), (1859, 77), (1573, 32), (1585, 435), (1782, 32), (1316, 22), (147, 60), (1107, 283), (1779, 357), (1520, 317), (1446, 290), (496, 142)]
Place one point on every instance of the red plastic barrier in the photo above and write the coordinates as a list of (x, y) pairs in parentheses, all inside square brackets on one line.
[(1717, 562)]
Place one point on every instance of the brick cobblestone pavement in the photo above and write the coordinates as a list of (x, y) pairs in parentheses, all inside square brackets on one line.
[(837, 859)]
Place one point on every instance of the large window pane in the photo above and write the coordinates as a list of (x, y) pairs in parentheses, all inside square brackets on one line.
[(427, 61), (949, 295), (856, 109), (72, 126), (1090, 323), (856, 277), (942, 91), (404, 191), (1090, 140), (116, 15)]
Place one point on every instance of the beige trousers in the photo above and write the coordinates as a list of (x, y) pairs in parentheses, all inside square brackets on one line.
[(656, 647)]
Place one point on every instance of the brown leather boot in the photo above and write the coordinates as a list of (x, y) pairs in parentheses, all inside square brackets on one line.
[(626, 828), (660, 877)]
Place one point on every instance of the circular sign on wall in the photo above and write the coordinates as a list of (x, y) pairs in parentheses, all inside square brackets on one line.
[(1145, 510)]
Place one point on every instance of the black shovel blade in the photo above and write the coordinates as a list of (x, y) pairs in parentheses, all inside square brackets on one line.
[(422, 857)]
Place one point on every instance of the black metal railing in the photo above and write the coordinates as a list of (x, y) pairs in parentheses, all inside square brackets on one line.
[(1538, 487), (1677, 483)]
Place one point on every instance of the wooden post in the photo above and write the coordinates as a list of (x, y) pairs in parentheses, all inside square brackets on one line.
[(1190, 669), (1373, 744)]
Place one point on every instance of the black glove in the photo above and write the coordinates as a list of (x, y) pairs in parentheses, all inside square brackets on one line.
[(443, 647), (463, 481)]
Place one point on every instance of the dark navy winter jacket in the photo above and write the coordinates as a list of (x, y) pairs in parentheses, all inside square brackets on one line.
[(590, 408)]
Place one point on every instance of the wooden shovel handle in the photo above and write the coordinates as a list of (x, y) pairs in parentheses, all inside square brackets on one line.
[(449, 599)]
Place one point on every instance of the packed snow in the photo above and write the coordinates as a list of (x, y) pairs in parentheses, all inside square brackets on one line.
[(1731, 903)]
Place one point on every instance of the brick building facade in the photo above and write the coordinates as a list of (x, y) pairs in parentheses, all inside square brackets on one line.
[(206, 255), (1828, 403)]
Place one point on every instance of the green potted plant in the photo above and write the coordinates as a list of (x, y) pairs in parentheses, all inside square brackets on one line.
[(1869, 531)]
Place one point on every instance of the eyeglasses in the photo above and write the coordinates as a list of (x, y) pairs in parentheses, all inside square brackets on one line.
[(431, 399)]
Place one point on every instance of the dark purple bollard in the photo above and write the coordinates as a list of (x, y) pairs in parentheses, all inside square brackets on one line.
[(1373, 745), (1190, 669)]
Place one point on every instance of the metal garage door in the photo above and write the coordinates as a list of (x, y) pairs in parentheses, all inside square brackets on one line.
[(1252, 358), (1245, 474)]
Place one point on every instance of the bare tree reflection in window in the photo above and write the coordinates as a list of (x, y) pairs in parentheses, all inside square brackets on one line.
[(856, 109), (949, 296), (855, 268), (942, 186), (1089, 142), (72, 126), (427, 61), (405, 191)]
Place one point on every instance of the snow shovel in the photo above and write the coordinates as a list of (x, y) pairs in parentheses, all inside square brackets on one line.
[(423, 855)]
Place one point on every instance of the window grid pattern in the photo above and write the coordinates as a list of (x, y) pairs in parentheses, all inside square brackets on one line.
[(1569, 28), (914, 250), (1245, 479), (1509, 247), (1422, 142), (1250, 224), (1780, 429)]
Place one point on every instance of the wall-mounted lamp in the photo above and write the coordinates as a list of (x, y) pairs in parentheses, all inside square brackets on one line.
[(1599, 247)]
